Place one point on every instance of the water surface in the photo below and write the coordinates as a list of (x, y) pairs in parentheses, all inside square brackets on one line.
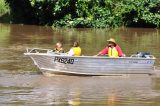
[(21, 83)]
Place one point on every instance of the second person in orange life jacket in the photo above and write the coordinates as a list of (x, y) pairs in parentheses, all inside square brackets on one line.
[(112, 49)]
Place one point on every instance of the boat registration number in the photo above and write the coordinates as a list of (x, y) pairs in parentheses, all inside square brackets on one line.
[(64, 60)]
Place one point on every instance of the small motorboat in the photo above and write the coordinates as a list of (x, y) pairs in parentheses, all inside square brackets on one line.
[(61, 63)]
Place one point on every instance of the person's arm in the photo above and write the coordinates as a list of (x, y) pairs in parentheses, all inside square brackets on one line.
[(71, 52), (120, 53), (103, 52), (99, 53), (62, 50)]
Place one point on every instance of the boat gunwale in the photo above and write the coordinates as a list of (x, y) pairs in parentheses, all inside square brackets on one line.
[(96, 57)]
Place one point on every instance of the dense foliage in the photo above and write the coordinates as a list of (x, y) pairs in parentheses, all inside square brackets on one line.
[(86, 13), (3, 7)]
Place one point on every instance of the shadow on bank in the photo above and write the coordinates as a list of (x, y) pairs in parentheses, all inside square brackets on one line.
[(5, 18)]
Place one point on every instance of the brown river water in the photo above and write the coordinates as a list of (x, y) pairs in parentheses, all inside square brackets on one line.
[(22, 84)]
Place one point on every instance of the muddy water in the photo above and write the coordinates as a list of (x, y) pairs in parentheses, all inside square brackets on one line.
[(22, 84)]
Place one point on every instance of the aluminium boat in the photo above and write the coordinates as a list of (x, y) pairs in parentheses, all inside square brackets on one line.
[(50, 62)]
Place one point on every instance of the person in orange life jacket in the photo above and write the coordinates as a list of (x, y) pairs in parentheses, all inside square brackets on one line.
[(75, 50), (58, 48), (112, 49)]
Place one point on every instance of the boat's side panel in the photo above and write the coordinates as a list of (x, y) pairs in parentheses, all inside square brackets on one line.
[(94, 66)]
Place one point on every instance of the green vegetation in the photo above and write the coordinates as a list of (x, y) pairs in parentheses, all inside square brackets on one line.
[(3, 8), (86, 13), (4, 11)]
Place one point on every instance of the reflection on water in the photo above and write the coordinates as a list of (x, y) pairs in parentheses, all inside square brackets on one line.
[(25, 89), (21, 83)]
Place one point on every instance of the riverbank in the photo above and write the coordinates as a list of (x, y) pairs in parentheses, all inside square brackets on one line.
[(83, 13)]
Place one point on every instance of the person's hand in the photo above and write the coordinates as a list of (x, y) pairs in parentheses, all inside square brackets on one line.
[(123, 55)]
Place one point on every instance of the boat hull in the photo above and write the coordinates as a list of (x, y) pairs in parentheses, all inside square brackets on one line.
[(90, 65)]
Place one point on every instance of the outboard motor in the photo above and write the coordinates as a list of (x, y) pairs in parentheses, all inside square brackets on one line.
[(143, 54)]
